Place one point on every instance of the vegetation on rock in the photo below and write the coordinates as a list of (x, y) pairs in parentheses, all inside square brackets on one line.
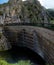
[(27, 11), (51, 12)]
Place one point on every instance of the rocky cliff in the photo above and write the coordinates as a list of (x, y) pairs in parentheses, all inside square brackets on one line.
[(25, 11), (34, 12)]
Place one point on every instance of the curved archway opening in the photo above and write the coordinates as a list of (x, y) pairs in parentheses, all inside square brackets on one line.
[(24, 53), (21, 55)]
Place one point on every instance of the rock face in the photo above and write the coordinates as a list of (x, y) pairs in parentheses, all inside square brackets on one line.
[(15, 7), (35, 12), (29, 11), (4, 44)]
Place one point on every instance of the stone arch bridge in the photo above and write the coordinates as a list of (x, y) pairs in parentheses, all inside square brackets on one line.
[(38, 39)]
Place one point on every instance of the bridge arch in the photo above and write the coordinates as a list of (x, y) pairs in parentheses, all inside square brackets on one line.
[(32, 37)]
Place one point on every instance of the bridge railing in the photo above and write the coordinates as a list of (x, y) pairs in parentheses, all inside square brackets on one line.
[(45, 25)]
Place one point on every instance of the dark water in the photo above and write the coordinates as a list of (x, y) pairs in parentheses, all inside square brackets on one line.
[(21, 53)]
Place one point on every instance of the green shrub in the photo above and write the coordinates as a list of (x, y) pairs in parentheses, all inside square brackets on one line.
[(3, 62)]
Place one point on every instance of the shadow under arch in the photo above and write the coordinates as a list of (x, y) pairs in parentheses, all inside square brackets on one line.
[(19, 53)]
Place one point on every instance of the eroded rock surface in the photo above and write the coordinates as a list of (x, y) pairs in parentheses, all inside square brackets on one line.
[(29, 11), (4, 44)]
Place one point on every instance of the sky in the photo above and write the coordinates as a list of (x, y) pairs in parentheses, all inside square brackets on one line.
[(46, 3), (3, 1)]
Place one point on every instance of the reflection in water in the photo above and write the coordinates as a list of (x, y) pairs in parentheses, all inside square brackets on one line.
[(17, 54)]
